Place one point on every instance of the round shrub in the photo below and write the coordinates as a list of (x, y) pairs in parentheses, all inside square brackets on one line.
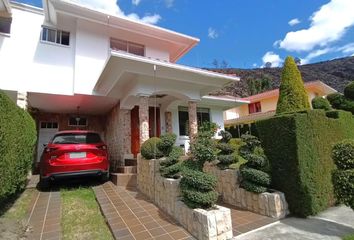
[(256, 176), (251, 187), (336, 100), (149, 149), (225, 148), (198, 180), (321, 103), (226, 136), (349, 91), (171, 171), (197, 199), (343, 181), (343, 154), (255, 161), (227, 159), (166, 143)]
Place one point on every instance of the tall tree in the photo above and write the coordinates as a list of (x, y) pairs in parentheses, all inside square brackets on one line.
[(292, 93)]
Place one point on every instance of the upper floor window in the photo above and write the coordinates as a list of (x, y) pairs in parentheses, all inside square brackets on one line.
[(55, 36), (125, 46), (254, 107), (5, 25)]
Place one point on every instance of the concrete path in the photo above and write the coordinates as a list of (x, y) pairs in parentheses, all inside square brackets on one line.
[(332, 224)]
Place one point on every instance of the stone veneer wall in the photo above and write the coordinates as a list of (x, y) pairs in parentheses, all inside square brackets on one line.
[(214, 224), (269, 204)]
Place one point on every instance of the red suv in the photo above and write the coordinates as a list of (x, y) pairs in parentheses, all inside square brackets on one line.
[(74, 153)]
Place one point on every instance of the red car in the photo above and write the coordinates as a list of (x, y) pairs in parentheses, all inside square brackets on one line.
[(74, 153)]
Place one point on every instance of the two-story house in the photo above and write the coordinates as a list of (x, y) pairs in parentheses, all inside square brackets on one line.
[(79, 68)]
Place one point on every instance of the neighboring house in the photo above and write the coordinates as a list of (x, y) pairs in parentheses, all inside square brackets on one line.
[(79, 68), (263, 105)]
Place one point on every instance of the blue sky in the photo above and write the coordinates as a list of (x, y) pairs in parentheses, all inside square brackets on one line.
[(248, 33)]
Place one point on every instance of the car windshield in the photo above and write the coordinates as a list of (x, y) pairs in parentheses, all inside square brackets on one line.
[(77, 138)]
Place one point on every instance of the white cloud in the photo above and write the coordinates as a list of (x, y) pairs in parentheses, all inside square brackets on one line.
[(112, 7), (254, 65), (169, 3), (328, 24), (294, 22), (273, 58), (136, 2), (212, 33), (347, 49), (315, 54)]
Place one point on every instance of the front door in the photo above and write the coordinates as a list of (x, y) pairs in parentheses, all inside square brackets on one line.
[(46, 132)]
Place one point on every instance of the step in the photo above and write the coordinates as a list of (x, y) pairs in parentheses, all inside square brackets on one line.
[(127, 180), (126, 169), (130, 162)]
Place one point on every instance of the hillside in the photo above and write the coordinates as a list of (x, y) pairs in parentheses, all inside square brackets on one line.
[(335, 73)]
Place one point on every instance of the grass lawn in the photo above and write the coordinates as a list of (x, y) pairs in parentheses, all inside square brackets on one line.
[(81, 217), (349, 237)]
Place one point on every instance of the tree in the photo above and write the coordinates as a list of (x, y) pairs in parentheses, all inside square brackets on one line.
[(259, 85), (292, 93), (215, 63), (224, 64), (268, 65), (297, 61)]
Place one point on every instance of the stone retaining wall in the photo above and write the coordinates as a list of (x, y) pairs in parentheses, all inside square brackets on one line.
[(269, 204), (213, 224)]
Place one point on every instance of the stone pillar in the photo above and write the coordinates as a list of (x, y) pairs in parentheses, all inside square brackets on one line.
[(144, 118), (125, 135), (193, 122), (22, 100), (168, 122)]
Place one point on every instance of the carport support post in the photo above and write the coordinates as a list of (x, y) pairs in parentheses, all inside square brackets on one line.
[(125, 140), (193, 121), (144, 118), (168, 122)]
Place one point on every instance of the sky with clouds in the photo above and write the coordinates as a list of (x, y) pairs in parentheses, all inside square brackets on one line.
[(247, 34)]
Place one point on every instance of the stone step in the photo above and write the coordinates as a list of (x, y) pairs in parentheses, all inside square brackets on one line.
[(130, 162), (127, 169), (127, 180)]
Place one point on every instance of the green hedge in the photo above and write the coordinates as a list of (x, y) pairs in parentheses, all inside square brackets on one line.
[(298, 147), (17, 141), (149, 149)]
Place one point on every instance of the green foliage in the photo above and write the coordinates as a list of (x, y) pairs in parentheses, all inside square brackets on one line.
[(227, 154), (17, 141), (250, 144), (256, 176), (343, 176), (299, 147), (166, 143), (349, 91), (225, 148), (258, 85), (198, 189), (292, 93), (171, 167), (226, 136), (252, 187), (343, 154), (321, 103), (149, 149)]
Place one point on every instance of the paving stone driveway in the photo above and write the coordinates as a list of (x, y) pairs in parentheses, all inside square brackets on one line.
[(131, 215)]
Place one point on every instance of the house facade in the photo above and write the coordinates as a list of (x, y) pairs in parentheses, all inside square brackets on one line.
[(263, 105), (75, 67)]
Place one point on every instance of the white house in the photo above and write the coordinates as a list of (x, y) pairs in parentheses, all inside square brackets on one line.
[(79, 68)]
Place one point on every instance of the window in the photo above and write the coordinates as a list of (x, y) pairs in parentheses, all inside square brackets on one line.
[(5, 25), (203, 115), (77, 138), (254, 107), (55, 36), (125, 46), (48, 125), (77, 121)]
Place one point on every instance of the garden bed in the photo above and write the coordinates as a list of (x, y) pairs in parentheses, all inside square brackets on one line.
[(165, 193), (272, 204)]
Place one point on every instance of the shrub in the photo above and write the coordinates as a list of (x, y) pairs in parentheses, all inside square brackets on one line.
[(256, 176), (251, 187), (226, 155), (166, 143), (321, 103), (171, 167), (226, 136), (249, 146), (299, 147), (149, 149), (349, 91), (336, 100), (17, 141), (198, 180), (197, 199), (292, 93), (225, 148), (343, 154)]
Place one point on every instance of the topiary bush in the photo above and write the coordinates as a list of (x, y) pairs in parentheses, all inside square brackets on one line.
[(226, 150), (343, 102), (292, 93), (349, 91), (321, 103), (299, 147), (171, 167), (198, 189), (17, 140), (166, 143), (149, 149), (343, 176)]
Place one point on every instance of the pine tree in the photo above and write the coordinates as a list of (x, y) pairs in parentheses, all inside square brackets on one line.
[(292, 93)]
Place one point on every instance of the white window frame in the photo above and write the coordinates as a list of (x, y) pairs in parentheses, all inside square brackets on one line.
[(56, 35), (70, 125)]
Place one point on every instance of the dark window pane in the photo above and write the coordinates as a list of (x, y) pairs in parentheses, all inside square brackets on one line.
[(5, 25), (58, 37), (44, 34), (119, 45), (83, 122), (136, 49), (55, 125), (77, 138), (43, 125), (51, 35), (49, 125), (65, 38), (183, 123), (73, 121)]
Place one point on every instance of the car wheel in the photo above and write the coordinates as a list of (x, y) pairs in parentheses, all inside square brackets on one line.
[(105, 177), (44, 183)]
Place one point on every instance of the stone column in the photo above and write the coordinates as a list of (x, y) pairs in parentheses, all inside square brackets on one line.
[(125, 135), (22, 100), (193, 122), (168, 122), (144, 118)]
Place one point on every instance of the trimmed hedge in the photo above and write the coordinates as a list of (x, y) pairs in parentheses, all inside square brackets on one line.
[(343, 154), (149, 149), (349, 91), (299, 147), (321, 103), (17, 140)]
